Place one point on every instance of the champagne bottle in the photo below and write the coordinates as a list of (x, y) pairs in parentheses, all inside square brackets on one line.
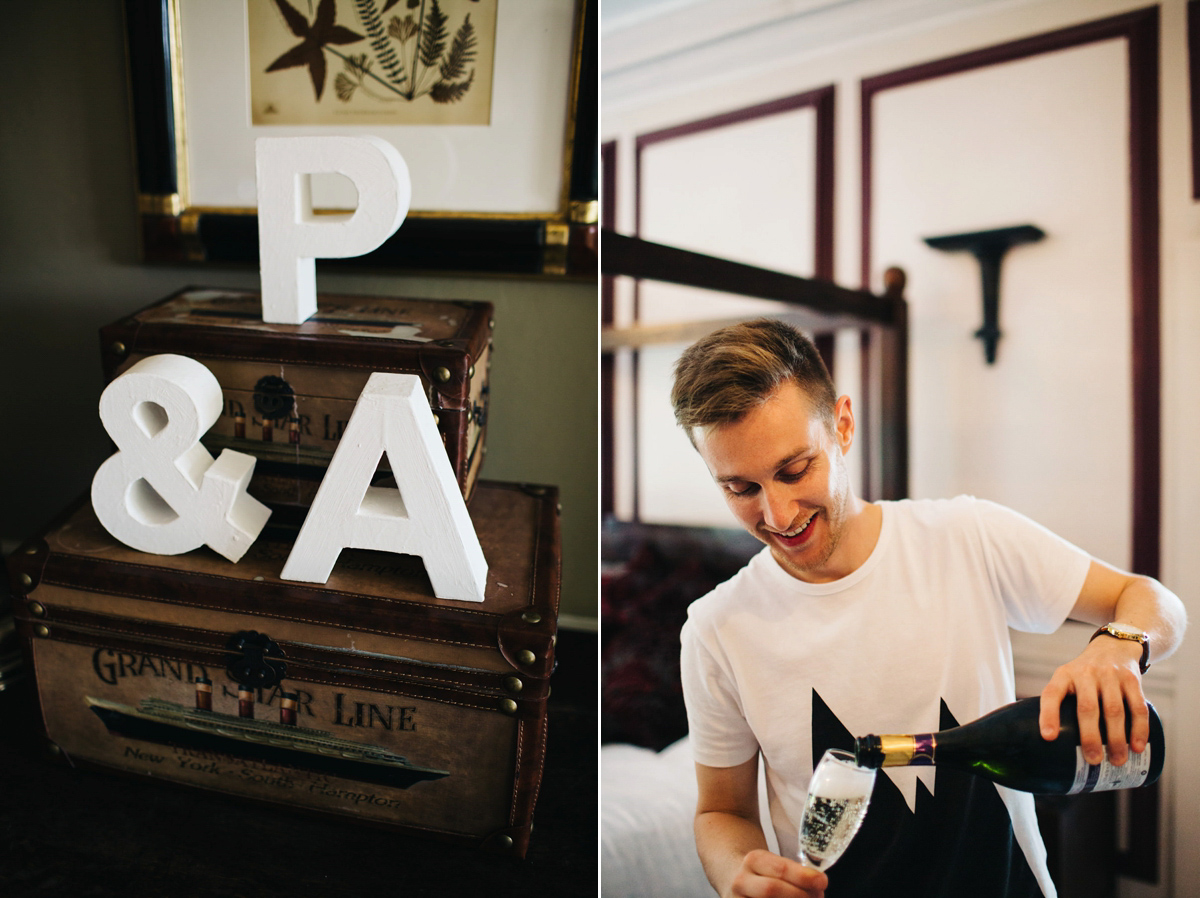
[(1006, 746)]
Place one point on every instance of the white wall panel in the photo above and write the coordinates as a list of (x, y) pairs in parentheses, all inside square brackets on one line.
[(1043, 141), (674, 486), (745, 191)]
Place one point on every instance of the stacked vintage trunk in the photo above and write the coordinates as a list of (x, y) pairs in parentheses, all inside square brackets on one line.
[(365, 696)]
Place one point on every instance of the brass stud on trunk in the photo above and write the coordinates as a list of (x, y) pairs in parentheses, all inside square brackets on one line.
[(513, 684), (508, 706), (526, 657), (37, 609)]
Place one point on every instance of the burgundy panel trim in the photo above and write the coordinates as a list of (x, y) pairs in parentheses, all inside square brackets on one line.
[(736, 116), (608, 219), (823, 235), (1193, 32), (862, 418), (825, 348), (1144, 221), (635, 370), (608, 436)]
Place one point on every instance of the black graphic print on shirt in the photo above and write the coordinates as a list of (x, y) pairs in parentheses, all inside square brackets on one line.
[(958, 842)]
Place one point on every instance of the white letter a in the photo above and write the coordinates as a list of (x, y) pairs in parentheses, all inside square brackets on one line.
[(426, 516)]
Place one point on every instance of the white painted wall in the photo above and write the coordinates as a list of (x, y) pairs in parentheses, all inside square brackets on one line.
[(753, 193), (1063, 370), (752, 197)]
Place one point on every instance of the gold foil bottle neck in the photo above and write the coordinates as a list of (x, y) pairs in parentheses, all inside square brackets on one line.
[(898, 751)]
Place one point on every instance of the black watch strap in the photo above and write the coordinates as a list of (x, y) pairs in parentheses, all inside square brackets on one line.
[(1144, 661)]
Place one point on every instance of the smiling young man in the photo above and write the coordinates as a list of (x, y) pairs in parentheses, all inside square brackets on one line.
[(876, 617)]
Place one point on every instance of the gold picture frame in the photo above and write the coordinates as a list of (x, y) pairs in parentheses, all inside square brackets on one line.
[(175, 119)]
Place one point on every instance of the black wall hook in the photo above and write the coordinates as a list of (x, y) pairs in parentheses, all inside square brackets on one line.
[(989, 248)]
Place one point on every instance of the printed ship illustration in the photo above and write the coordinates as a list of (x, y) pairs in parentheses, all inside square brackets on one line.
[(285, 743)]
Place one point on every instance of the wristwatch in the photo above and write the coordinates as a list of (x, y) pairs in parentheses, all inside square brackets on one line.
[(1126, 631)]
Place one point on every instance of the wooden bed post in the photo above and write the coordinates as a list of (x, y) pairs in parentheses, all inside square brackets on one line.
[(883, 417), (893, 389)]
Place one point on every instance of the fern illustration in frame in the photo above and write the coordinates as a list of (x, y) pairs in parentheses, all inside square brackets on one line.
[(363, 62)]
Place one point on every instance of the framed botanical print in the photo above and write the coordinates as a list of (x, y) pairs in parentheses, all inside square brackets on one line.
[(491, 103)]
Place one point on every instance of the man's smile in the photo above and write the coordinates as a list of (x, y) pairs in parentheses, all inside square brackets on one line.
[(797, 535)]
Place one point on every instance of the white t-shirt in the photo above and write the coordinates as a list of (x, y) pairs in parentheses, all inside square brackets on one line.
[(771, 663)]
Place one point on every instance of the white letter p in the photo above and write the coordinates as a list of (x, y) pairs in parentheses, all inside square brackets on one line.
[(291, 237)]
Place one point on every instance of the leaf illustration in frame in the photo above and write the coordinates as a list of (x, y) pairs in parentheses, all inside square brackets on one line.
[(394, 85), (462, 51), (372, 20), (402, 30), (433, 36), (310, 51), (442, 92)]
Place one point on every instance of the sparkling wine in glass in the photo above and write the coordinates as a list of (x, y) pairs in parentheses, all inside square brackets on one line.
[(838, 795)]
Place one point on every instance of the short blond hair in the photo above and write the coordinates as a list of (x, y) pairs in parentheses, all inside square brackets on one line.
[(724, 375)]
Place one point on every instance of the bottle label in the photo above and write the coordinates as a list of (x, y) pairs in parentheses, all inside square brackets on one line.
[(1102, 776), (923, 750)]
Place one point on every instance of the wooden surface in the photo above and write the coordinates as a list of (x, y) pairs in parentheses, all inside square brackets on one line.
[(89, 835)]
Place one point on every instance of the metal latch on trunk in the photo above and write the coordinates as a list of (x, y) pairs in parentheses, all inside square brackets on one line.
[(256, 660)]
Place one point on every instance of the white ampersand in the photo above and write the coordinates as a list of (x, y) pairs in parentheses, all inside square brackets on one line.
[(162, 492)]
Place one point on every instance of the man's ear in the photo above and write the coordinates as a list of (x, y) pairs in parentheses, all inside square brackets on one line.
[(843, 419)]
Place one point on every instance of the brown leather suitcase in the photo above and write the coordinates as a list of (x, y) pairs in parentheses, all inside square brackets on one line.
[(365, 697), (289, 389)]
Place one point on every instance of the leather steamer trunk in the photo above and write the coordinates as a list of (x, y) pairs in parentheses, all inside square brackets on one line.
[(289, 389), (413, 712)]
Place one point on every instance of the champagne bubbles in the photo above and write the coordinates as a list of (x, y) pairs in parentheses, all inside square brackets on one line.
[(838, 795)]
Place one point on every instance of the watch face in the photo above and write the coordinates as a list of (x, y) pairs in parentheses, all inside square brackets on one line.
[(1127, 631)]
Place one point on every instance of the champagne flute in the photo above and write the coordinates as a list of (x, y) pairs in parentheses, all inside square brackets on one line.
[(838, 795)]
